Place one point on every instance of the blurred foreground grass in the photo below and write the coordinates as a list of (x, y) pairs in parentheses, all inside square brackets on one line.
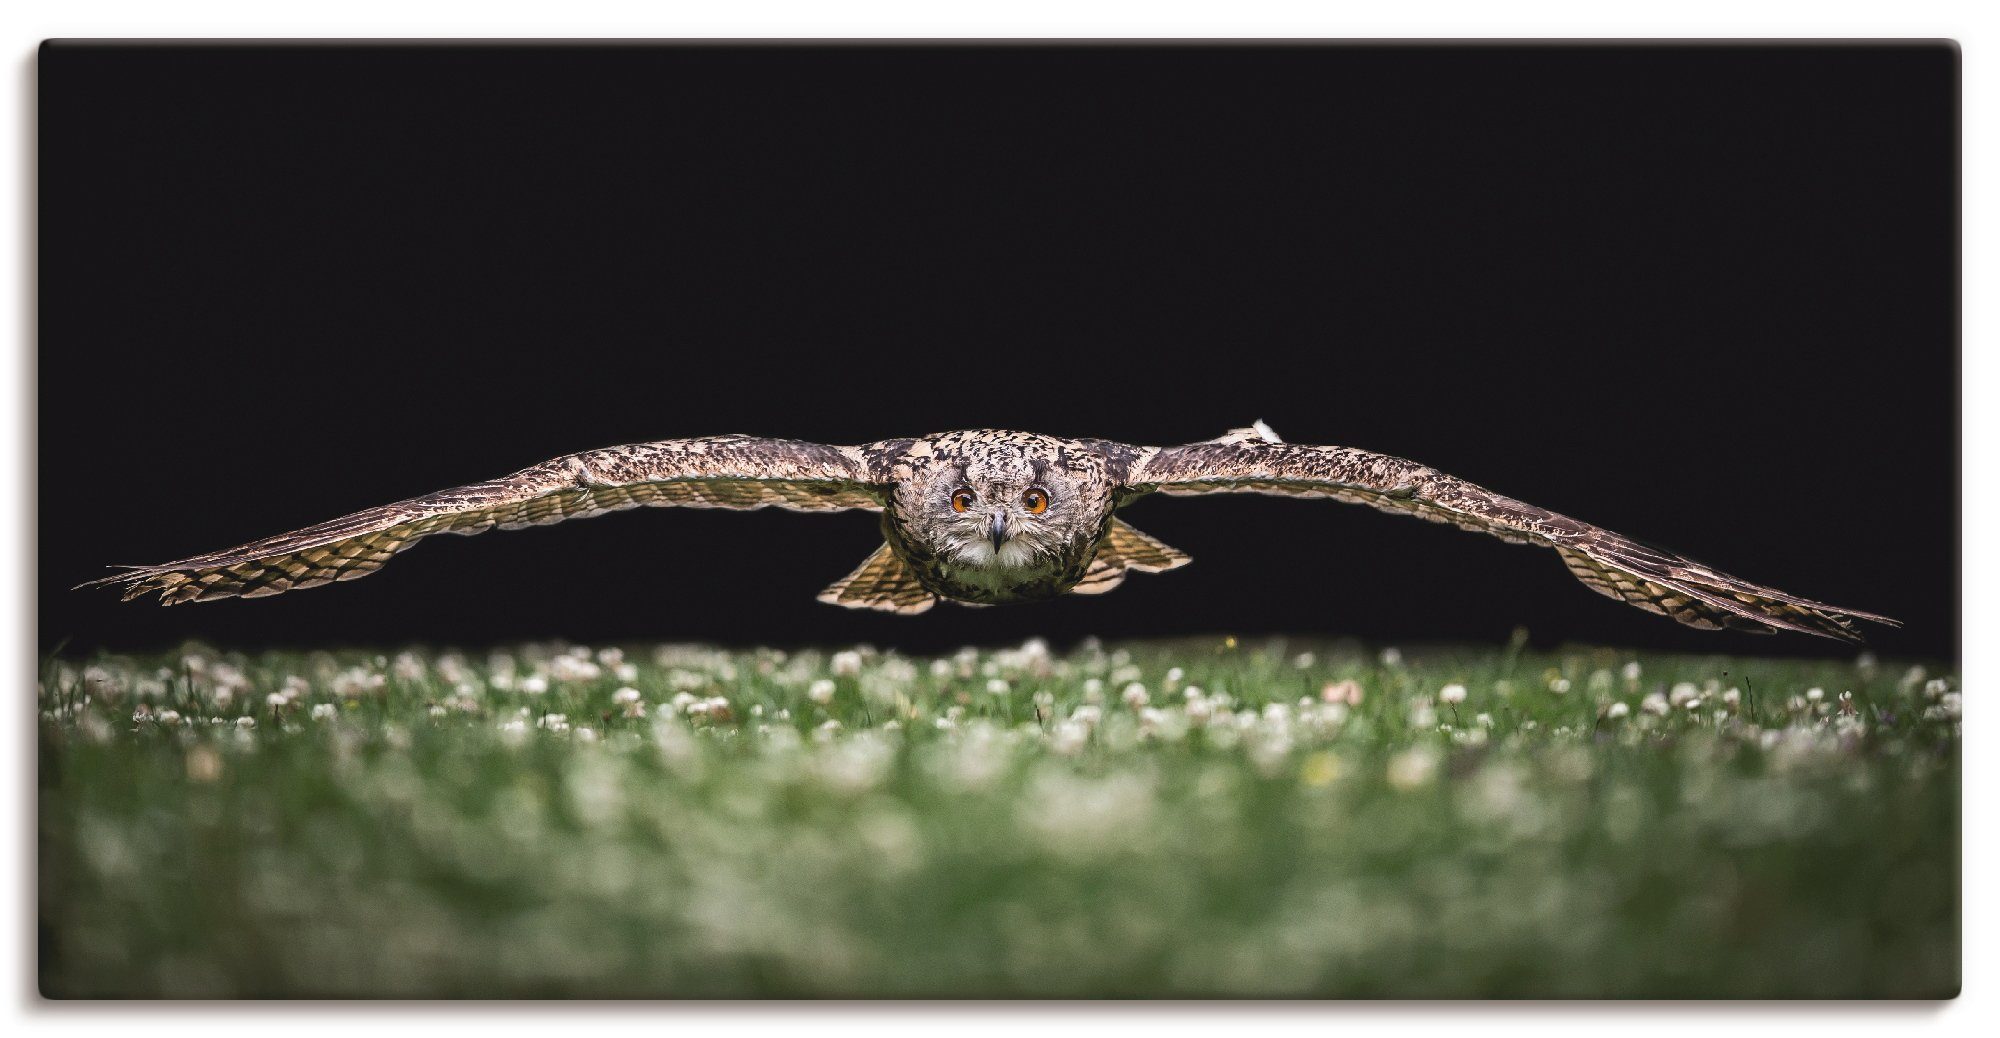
[(1193, 819)]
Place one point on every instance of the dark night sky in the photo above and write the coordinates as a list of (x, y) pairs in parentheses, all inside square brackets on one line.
[(1703, 296)]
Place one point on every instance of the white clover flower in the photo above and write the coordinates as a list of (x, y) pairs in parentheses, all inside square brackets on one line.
[(820, 691), (1303, 661), (1135, 693), (437, 711), (1086, 714), (324, 711), (1655, 704), (169, 717), (941, 668), (1733, 696), (625, 696), (1069, 738), (1348, 692), (246, 722), (534, 684), (409, 666), (1093, 690), (1936, 687), (1392, 657), (1453, 694), (1175, 676), (586, 734), (1815, 694), (998, 686), (554, 722), (1413, 768), (1632, 671), (845, 663), (1483, 720), (626, 671), (277, 699), (572, 668), (1559, 686)]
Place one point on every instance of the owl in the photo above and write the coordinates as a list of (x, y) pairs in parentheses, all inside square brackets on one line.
[(982, 517)]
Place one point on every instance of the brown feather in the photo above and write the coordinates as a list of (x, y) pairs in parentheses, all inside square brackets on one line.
[(1608, 563), (715, 472)]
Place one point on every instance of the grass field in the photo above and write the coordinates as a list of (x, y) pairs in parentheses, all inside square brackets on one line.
[(1196, 818)]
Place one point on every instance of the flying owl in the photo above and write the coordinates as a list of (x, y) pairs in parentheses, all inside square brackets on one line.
[(981, 517)]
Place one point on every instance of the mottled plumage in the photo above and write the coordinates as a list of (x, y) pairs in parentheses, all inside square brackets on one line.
[(981, 517)]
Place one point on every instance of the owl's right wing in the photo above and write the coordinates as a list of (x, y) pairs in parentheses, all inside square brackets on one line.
[(712, 472), (1254, 461)]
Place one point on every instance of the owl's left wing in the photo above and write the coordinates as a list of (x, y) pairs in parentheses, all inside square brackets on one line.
[(709, 472), (1609, 563)]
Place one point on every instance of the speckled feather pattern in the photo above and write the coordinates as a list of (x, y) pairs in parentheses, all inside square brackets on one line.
[(1083, 549), (711, 472), (1608, 563)]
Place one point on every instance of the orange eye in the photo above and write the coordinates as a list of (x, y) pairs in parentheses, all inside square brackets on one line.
[(1036, 500), (962, 499)]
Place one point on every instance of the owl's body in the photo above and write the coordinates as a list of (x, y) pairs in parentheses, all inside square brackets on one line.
[(1039, 556), (982, 517)]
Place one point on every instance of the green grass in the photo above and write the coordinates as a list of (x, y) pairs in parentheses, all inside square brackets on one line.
[(1315, 821)]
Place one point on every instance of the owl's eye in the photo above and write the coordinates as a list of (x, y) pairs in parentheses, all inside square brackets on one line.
[(962, 499), (1036, 500)]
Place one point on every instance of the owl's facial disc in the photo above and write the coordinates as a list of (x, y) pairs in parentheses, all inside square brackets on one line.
[(1000, 523)]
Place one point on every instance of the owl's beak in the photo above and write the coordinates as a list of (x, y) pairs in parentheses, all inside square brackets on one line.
[(998, 530)]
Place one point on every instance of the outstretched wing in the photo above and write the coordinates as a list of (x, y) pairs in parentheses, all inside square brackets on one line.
[(1253, 461), (712, 472)]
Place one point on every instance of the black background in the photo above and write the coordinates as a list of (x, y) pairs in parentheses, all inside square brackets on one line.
[(1703, 296)]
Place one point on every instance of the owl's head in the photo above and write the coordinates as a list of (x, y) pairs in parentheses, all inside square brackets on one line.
[(1013, 505)]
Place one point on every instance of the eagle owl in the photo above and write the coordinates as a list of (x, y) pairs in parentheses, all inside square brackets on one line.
[(981, 517)]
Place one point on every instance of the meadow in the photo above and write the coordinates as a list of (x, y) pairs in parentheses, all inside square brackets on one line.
[(1194, 819)]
